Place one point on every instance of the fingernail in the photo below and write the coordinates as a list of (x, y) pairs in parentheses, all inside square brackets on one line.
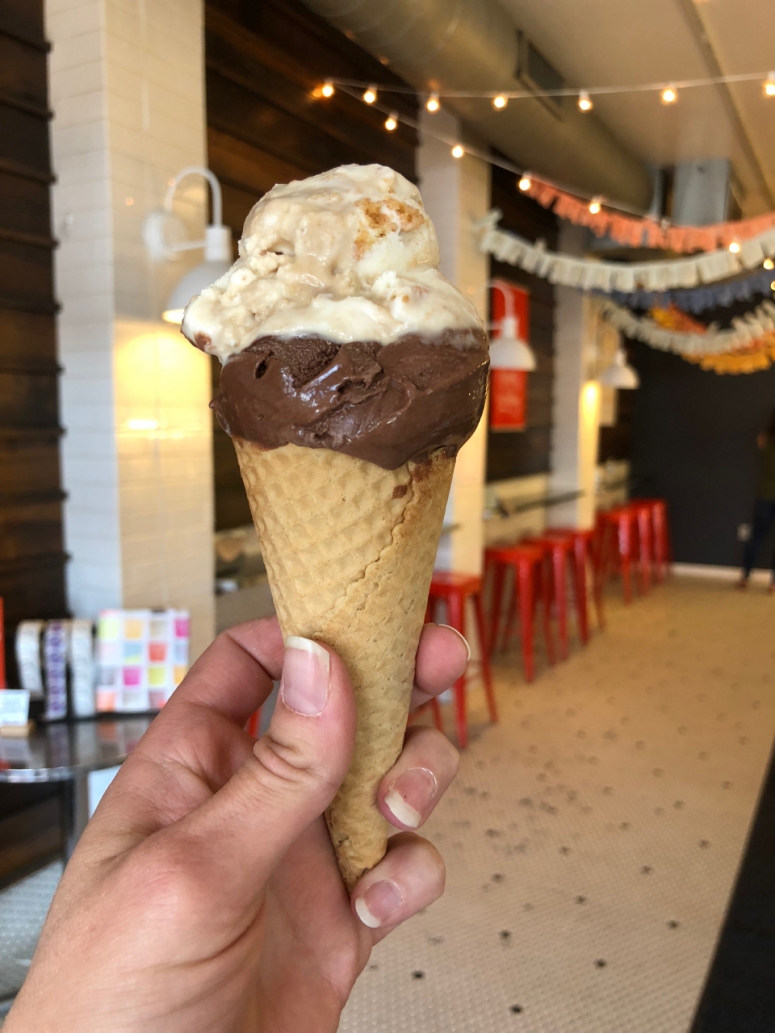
[(378, 903), (462, 638), (410, 796), (304, 683)]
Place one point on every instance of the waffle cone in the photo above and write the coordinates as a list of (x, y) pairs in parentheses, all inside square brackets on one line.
[(349, 550)]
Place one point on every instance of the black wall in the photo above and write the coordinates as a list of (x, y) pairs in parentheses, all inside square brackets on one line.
[(694, 443)]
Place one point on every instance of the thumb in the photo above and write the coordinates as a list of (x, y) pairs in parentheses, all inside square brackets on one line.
[(295, 770)]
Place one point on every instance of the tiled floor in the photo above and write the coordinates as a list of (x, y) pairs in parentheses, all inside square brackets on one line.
[(591, 839), (593, 836)]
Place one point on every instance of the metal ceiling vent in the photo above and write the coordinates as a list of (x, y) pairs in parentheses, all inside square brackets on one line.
[(474, 45)]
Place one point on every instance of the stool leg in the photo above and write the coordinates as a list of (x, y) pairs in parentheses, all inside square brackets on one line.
[(561, 598), (497, 604), (644, 535), (579, 570), (456, 619), (524, 586), (625, 557), (660, 552), (597, 591), (438, 720), (486, 672), (253, 726), (546, 599)]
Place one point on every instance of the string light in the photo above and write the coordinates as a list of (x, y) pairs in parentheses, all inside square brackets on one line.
[(768, 263), (391, 122), (595, 205), (669, 95), (525, 183), (585, 101), (457, 151), (734, 247), (500, 101), (769, 85), (370, 95), (432, 103), (327, 89)]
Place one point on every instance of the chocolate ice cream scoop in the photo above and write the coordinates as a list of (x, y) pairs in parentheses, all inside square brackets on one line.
[(383, 403)]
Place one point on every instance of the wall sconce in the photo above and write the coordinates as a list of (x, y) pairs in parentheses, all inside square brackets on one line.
[(508, 350), (619, 374), (164, 235)]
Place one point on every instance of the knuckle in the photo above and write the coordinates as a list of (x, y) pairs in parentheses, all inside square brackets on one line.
[(287, 764)]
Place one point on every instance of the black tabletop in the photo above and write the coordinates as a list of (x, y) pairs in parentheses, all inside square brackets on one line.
[(64, 750)]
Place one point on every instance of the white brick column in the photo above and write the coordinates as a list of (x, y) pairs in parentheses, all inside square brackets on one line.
[(576, 403), (456, 191), (127, 89)]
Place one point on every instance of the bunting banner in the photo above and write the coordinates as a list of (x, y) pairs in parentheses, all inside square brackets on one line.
[(700, 299), (755, 330), (626, 278), (638, 231)]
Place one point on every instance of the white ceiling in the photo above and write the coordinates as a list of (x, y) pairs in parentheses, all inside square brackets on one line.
[(611, 42)]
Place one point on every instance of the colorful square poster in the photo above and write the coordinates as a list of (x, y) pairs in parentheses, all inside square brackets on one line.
[(142, 657)]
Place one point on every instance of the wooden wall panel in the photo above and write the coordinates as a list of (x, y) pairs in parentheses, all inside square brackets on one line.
[(522, 453), (264, 127), (31, 550)]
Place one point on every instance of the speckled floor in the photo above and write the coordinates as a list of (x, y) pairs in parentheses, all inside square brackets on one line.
[(591, 839), (593, 836)]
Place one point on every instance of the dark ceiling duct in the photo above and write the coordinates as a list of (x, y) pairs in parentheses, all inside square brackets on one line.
[(473, 45)]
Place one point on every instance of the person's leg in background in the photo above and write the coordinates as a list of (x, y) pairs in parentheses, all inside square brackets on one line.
[(763, 517)]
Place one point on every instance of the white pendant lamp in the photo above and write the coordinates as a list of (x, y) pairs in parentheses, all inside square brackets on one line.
[(619, 374), (508, 350), (165, 238)]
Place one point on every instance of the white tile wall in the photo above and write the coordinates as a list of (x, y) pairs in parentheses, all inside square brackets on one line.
[(127, 88), (455, 193)]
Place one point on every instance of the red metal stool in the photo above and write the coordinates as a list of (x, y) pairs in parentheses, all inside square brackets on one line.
[(659, 536), (455, 589), (558, 548), (530, 581), (618, 533), (585, 559), (253, 727), (643, 522)]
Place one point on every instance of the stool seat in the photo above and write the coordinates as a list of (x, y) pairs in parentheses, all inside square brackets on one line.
[(446, 581)]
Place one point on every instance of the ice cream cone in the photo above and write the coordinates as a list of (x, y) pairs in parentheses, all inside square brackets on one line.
[(349, 549)]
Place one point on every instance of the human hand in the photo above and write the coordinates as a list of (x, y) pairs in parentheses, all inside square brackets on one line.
[(204, 894)]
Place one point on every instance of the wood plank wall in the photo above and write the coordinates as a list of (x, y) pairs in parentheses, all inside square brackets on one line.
[(521, 453), (31, 551), (263, 127)]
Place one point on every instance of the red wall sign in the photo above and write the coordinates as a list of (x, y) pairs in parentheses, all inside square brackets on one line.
[(508, 387)]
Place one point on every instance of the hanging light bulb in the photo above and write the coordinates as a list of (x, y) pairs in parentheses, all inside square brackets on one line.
[(458, 151), (595, 205), (432, 103), (772, 286), (524, 182), (585, 101), (768, 263), (370, 95), (327, 89), (500, 101), (769, 85), (391, 122), (734, 247), (669, 95)]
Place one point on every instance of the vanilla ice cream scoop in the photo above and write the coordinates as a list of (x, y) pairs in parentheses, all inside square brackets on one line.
[(349, 255)]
